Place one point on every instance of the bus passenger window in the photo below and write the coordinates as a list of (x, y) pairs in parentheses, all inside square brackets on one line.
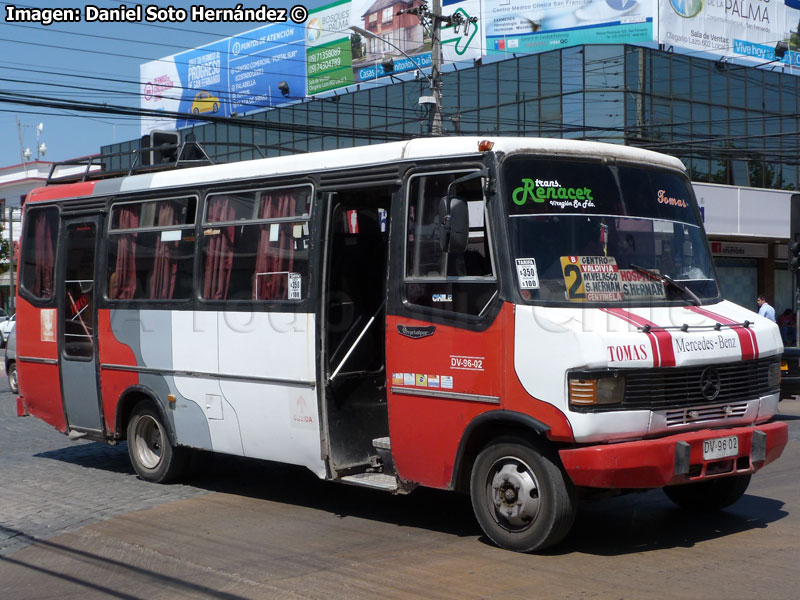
[(459, 282), (151, 249), (256, 245), (39, 252)]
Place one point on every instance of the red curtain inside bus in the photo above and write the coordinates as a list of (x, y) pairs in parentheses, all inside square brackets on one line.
[(275, 249), (123, 280), (45, 257), (165, 269), (219, 251)]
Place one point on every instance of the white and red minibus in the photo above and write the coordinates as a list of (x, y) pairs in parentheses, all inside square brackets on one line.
[(525, 320)]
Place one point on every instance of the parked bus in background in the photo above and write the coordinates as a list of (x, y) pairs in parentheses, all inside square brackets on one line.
[(525, 320)]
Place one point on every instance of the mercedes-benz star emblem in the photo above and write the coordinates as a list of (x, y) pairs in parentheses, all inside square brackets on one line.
[(710, 383)]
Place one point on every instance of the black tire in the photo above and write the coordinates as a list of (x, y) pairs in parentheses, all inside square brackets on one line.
[(539, 517), (215, 107), (714, 494), (196, 111), (13, 383), (152, 455)]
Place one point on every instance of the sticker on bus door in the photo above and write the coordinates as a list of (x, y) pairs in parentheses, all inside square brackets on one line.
[(47, 318)]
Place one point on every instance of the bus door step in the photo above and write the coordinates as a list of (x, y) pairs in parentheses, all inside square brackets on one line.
[(384, 447), (380, 481)]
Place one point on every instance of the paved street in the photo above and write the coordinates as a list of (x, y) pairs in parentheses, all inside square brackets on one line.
[(50, 485), (76, 523)]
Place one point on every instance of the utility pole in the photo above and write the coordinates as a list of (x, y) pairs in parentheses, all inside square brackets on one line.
[(436, 68), (432, 21), (12, 300)]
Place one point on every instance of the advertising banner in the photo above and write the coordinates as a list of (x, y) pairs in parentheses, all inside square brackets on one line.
[(526, 26), (734, 28), (389, 34), (328, 48), (236, 75), (465, 42)]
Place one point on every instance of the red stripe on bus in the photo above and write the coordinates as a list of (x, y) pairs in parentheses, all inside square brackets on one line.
[(747, 337), (664, 338), (654, 342)]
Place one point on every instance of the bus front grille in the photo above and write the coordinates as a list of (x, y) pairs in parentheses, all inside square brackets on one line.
[(675, 388)]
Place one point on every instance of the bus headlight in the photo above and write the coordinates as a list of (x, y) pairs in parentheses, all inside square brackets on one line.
[(594, 389)]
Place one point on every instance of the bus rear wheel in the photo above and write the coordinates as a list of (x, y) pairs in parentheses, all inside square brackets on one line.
[(521, 496), (152, 455), (714, 494)]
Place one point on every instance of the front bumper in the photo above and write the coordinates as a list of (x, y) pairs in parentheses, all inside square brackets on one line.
[(674, 459)]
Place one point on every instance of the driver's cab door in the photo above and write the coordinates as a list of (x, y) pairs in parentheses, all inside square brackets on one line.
[(77, 338)]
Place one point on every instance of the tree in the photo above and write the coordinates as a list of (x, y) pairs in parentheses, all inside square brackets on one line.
[(355, 46)]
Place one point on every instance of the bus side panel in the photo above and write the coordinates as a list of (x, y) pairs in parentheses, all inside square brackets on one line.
[(426, 430), (39, 381), (113, 382)]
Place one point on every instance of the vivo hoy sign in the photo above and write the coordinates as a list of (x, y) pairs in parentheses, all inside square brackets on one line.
[(736, 28)]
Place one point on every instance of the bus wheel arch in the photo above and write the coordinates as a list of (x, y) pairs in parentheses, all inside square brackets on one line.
[(128, 401), (481, 431)]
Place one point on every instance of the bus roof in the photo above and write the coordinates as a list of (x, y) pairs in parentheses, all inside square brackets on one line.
[(346, 158)]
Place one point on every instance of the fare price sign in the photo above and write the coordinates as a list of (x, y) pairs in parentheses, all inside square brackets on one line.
[(527, 276), (592, 279)]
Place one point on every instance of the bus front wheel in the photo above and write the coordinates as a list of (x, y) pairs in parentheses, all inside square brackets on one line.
[(521, 496), (714, 494), (152, 455)]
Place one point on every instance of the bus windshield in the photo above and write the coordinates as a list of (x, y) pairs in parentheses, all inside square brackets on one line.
[(591, 232)]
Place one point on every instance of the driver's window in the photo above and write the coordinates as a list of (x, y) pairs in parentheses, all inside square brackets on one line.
[(462, 282)]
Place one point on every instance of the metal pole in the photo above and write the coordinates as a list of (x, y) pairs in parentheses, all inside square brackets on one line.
[(11, 269), (436, 69)]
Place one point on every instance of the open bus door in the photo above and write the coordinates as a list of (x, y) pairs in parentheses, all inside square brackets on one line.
[(77, 340), (354, 299)]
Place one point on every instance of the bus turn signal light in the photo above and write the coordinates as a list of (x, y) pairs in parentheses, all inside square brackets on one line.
[(583, 392), (485, 146)]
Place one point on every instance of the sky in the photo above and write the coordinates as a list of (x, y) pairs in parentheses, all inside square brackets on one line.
[(92, 62)]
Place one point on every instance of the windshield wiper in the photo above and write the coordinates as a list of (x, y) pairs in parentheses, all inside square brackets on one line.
[(667, 279)]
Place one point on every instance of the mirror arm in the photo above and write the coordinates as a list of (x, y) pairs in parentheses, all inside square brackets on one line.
[(470, 176)]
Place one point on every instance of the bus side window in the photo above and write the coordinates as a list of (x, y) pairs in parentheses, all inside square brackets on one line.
[(256, 245), (39, 251), (151, 249), (459, 282)]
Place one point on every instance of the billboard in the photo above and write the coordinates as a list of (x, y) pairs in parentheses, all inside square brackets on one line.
[(239, 74), (526, 26), (733, 28), (328, 48)]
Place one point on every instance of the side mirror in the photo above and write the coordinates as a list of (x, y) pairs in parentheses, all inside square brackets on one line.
[(454, 224)]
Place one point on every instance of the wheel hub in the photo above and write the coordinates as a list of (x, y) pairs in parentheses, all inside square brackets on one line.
[(148, 442), (514, 493)]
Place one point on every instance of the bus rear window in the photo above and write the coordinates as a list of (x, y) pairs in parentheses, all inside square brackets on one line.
[(39, 252)]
